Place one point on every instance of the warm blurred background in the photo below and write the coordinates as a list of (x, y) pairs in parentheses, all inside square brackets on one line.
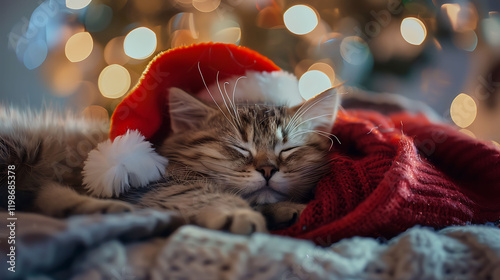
[(85, 55)]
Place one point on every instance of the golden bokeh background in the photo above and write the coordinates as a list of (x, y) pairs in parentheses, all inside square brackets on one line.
[(90, 53)]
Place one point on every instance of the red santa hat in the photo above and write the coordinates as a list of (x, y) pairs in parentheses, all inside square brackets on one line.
[(128, 158)]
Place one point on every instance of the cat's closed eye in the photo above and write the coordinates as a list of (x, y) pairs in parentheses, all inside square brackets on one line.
[(243, 151), (288, 151)]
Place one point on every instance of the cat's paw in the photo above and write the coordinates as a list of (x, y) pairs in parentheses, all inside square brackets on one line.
[(239, 221), (281, 215), (245, 221), (96, 206)]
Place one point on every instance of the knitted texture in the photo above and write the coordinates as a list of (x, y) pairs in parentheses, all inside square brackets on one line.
[(391, 173), (135, 246), (471, 252)]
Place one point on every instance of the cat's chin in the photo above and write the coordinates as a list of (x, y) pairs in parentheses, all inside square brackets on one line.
[(265, 196)]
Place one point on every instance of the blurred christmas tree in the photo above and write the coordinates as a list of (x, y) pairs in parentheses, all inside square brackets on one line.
[(92, 52)]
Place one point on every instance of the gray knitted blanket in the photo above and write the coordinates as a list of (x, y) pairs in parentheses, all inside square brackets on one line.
[(153, 245)]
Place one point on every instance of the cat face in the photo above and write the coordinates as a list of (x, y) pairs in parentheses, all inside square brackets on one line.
[(263, 153)]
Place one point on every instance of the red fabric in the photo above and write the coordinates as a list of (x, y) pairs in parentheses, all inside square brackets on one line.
[(391, 173), (145, 108)]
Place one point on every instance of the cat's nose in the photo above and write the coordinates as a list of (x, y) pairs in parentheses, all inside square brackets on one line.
[(267, 171)]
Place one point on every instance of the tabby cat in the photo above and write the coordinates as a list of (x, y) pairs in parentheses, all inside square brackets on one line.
[(227, 167)]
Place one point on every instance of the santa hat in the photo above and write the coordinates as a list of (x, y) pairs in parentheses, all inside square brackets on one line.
[(207, 70)]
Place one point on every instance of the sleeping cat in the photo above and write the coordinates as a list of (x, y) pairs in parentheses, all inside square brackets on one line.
[(226, 167)]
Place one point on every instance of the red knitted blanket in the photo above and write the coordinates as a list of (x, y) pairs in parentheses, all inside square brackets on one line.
[(391, 173)]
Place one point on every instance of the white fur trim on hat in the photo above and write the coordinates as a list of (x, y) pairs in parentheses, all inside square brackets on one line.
[(128, 161), (275, 88)]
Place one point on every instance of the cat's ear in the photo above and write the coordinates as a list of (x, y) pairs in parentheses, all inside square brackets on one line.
[(186, 112), (319, 112)]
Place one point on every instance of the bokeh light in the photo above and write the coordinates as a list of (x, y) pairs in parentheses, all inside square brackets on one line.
[(182, 38), (300, 19), (354, 50), (140, 43), (114, 52), (302, 67), (270, 17), (313, 83), (79, 46), (226, 31), (65, 79), (463, 110), (326, 69), (206, 5), (413, 30), (463, 17), (230, 35), (416, 48), (92, 64), (491, 30), (437, 44), (183, 21), (452, 10), (183, 30), (95, 113), (114, 81), (98, 17), (468, 132), (35, 54), (496, 144), (148, 7), (466, 40), (77, 4)]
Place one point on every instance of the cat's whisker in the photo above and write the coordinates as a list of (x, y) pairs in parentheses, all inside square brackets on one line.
[(208, 90), (233, 107), (236, 191), (298, 114), (263, 120), (309, 131), (231, 104), (223, 97), (234, 91), (318, 132), (221, 93), (310, 119), (302, 110), (213, 163), (334, 136)]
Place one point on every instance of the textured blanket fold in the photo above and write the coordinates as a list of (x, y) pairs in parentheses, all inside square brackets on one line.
[(134, 246), (391, 173)]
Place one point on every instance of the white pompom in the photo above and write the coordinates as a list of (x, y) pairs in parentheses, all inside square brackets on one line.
[(276, 88), (128, 161)]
